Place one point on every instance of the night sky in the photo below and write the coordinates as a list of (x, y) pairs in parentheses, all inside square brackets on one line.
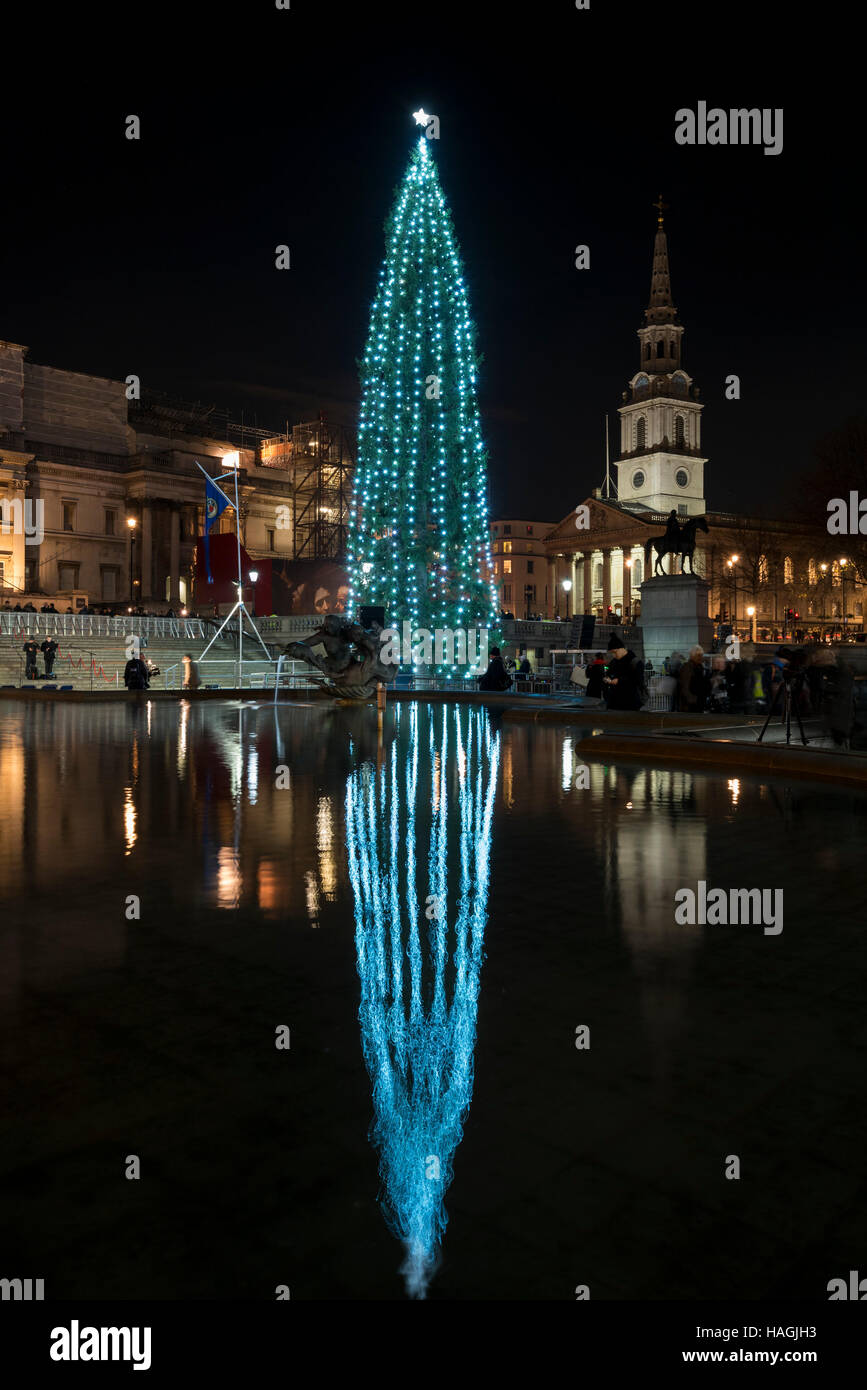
[(262, 127)]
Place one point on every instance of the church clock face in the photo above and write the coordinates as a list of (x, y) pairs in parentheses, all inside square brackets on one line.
[(681, 477), (638, 479)]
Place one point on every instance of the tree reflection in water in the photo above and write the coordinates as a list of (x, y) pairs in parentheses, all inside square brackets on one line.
[(420, 884)]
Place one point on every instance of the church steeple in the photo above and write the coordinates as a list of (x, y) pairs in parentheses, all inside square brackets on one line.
[(661, 465), (661, 332), (660, 309)]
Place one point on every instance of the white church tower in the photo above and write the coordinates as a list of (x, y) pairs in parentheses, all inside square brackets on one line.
[(661, 464)]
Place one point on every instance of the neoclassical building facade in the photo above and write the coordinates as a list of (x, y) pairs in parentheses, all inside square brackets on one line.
[(87, 460), (764, 574)]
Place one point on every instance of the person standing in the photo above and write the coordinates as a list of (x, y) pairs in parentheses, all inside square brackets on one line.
[(191, 673), (623, 684), (135, 674), (49, 652), (693, 683), (595, 676), (30, 650), (496, 677)]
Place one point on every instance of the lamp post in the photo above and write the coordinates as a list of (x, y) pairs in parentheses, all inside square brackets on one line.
[(730, 563), (566, 585), (627, 565), (843, 564), (253, 576), (131, 523), (824, 568), (751, 614)]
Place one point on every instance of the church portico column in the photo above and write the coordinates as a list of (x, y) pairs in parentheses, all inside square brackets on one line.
[(606, 582), (147, 552), (627, 581), (175, 559), (586, 582)]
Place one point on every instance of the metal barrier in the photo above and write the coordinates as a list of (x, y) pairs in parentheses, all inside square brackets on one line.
[(12, 624), (256, 674)]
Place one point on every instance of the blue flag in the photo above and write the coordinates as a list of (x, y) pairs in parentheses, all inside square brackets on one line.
[(216, 503)]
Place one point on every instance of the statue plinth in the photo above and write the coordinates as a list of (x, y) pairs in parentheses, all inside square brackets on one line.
[(674, 616)]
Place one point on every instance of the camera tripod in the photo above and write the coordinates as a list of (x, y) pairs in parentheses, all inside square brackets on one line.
[(793, 684)]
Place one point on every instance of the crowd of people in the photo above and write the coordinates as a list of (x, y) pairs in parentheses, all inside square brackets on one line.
[(812, 681)]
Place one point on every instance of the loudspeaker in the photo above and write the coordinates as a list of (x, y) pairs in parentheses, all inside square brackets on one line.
[(368, 616)]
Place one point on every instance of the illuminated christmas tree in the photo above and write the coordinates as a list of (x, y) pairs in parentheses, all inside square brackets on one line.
[(419, 540)]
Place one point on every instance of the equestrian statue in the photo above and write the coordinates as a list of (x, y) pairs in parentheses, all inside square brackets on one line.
[(678, 540)]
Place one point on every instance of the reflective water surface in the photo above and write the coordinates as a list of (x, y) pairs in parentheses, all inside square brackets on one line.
[(433, 914)]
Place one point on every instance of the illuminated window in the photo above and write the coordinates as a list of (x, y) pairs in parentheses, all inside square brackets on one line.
[(812, 572), (763, 569), (507, 546), (789, 571), (507, 567)]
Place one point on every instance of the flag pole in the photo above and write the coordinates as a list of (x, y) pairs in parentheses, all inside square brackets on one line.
[(239, 606), (237, 469)]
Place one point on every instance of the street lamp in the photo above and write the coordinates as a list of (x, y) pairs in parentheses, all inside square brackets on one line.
[(751, 614), (131, 523), (733, 572), (843, 564), (566, 585), (627, 565), (824, 568), (253, 576)]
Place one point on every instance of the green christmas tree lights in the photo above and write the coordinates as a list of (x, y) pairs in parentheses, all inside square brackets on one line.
[(419, 542)]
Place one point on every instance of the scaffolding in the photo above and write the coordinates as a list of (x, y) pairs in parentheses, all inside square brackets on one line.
[(316, 459), (322, 464)]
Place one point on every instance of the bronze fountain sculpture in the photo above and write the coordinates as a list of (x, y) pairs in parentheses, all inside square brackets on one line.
[(348, 656)]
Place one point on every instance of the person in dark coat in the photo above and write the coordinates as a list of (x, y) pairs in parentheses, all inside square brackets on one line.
[(30, 650), (49, 652), (693, 683), (624, 679), (496, 677), (135, 674), (525, 669), (595, 676)]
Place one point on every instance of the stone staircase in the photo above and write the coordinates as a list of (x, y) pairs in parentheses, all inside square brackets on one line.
[(91, 662)]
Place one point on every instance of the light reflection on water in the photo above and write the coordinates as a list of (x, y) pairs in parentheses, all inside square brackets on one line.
[(420, 885)]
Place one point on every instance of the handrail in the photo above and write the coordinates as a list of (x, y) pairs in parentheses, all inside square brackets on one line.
[(100, 625)]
